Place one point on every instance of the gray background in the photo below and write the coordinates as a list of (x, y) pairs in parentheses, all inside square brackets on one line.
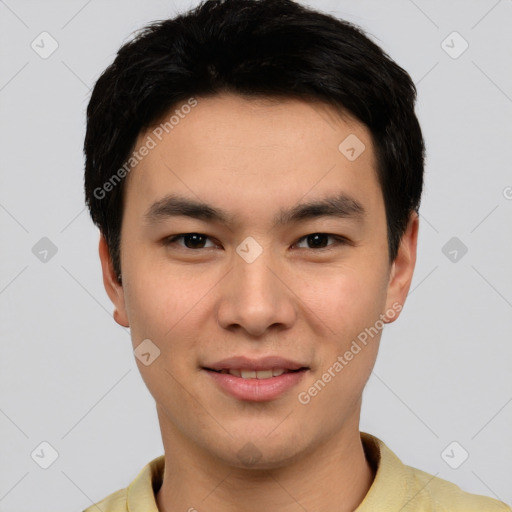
[(67, 372)]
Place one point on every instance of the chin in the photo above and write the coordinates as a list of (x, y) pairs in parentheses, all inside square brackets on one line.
[(259, 453)]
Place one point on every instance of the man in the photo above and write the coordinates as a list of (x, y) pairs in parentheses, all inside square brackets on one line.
[(255, 169)]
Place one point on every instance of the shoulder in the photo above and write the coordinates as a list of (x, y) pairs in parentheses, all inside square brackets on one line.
[(446, 496), (397, 486), (115, 502), (139, 495)]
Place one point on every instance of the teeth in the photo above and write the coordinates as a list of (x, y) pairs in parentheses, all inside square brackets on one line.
[(260, 374), (264, 374)]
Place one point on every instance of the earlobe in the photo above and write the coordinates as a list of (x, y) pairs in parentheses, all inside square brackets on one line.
[(112, 286), (120, 319), (402, 269)]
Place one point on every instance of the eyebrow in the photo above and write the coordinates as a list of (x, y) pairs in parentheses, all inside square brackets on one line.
[(340, 205)]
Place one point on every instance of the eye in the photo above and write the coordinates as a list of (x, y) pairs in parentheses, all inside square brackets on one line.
[(200, 241), (191, 240), (319, 240)]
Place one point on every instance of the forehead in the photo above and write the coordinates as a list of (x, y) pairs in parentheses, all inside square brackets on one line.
[(241, 152)]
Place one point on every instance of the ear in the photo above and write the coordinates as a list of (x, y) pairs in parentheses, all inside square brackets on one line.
[(402, 269), (113, 288)]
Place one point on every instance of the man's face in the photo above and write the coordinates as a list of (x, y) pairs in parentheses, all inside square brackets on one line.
[(256, 285)]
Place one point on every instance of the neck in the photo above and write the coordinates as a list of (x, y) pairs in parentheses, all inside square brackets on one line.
[(334, 476)]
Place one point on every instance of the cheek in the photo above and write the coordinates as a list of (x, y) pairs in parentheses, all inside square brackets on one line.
[(165, 312), (350, 304), (157, 294), (346, 299), (173, 311), (156, 308)]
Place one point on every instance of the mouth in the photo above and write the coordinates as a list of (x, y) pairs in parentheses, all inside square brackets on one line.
[(255, 374), (256, 380)]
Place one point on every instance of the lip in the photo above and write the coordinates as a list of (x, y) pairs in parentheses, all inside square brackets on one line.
[(256, 390), (263, 363)]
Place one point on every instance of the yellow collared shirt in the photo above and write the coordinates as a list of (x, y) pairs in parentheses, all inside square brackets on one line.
[(396, 488)]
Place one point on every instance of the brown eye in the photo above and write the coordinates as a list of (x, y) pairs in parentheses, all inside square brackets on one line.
[(190, 240), (320, 240)]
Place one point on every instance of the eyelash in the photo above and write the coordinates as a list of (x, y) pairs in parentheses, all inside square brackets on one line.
[(339, 241)]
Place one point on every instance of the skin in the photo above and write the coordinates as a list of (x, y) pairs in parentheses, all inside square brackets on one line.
[(253, 157)]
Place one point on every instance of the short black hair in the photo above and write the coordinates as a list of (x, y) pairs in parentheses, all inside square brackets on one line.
[(257, 48)]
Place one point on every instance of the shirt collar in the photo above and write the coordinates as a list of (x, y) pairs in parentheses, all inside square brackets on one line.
[(389, 487), (141, 493)]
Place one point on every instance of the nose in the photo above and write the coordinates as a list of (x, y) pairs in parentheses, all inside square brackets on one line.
[(256, 298)]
